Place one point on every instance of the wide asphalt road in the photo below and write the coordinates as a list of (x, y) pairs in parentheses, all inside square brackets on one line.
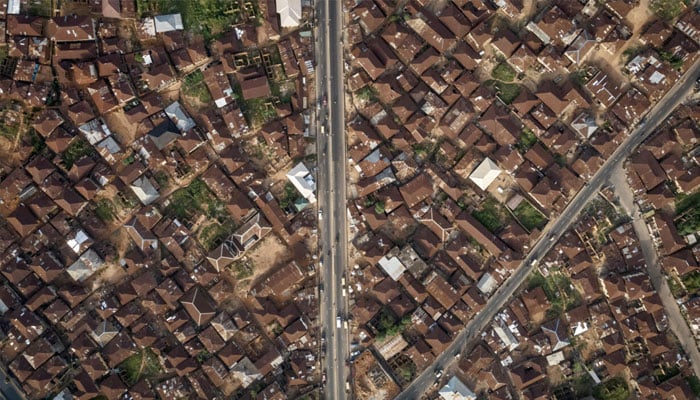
[(555, 228), (332, 196)]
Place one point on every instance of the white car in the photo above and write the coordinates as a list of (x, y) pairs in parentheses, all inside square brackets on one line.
[(338, 322)]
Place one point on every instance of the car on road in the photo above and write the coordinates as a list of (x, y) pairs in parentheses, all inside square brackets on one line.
[(438, 373), (338, 322)]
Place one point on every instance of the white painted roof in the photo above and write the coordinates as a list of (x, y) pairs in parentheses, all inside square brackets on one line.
[(392, 266), (290, 12), (183, 122), (456, 390), (168, 22), (303, 181), (144, 190), (13, 7), (485, 173)]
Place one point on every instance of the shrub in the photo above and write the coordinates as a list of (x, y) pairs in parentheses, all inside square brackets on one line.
[(503, 72), (612, 389), (76, 150), (104, 209)]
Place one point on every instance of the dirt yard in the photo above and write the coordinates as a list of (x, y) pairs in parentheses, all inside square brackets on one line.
[(370, 381), (122, 129), (266, 254), (8, 155)]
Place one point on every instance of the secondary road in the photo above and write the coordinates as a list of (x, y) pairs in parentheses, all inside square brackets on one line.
[(332, 195), (676, 322), (555, 228)]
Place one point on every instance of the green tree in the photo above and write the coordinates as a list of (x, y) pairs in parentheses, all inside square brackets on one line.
[(379, 207), (503, 72), (612, 389)]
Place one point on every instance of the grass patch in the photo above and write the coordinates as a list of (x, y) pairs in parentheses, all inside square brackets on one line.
[(283, 90), (407, 371), (559, 291), (9, 130), (187, 202), (214, 234), (606, 216), (529, 216), (491, 215), (691, 281), (612, 389), (193, 86), (242, 269), (105, 210), (687, 220), (582, 382), (503, 72), (507, 92), (162, 179), (526, 140), (687, 202), (289, 196), (207, 17), (256, 111), (667, 9), (141, 365), (75, 151), (676, 288)]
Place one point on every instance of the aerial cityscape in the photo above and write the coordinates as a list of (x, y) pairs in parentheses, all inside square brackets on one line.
[(350, 199)]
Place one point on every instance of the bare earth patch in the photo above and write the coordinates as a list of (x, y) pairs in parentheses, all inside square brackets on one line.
[(267, 253), (371, 383), (121, 127)]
